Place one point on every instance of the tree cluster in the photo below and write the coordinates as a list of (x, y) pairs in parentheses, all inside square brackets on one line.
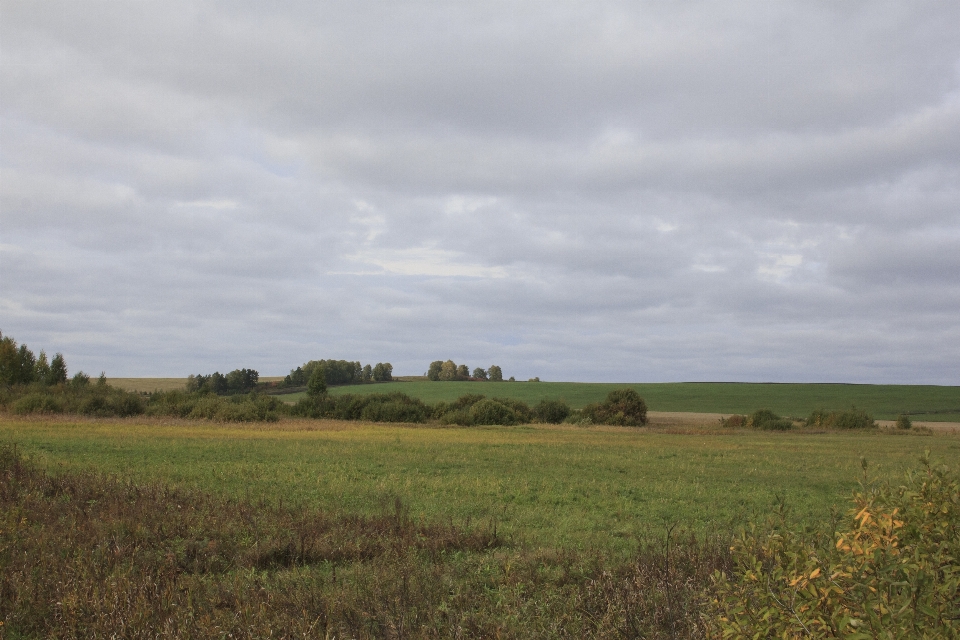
[(449, 370), (19, 366), (339, 372), (237, 381)]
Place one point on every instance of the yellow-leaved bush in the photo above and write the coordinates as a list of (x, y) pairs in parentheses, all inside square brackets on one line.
[(890, 568)]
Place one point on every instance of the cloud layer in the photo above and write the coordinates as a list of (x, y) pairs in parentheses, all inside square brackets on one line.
[(578, 191)]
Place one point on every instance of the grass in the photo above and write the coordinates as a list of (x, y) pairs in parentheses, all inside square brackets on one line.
[(90, 556), (884, 402), (126, 527), (595, 488)]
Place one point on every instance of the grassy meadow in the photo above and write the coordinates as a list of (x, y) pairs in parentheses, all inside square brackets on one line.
[(322, 528), (596, 488)]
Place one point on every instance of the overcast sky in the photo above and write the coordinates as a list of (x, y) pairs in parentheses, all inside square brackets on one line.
[(596, 191)]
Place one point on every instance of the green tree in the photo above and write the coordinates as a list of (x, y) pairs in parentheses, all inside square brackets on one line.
[(317, 384), (26, 364), (479, 374), (9, 363), (448, 371), (367, 374), (242, 379), (42, 369), (383, 372), (58, 370), (296, 378), (463, 372), (433, 373), (495, 374)]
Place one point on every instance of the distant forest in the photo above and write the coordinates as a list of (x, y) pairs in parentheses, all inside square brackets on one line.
[(339, 372)]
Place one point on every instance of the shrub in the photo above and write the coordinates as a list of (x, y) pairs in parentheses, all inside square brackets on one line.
[(83, 399), (174, 403), (903, 421), (394, 407), (767, 420), (623, 407), (551, 411), (250, 407), (580, 418), (38, 402), (853, 419), (466, 401), (376, 407), (460, 417), (735, 421), (439, 409), (106, 402), (520, 408), (314, 407), (889, 569), (493, 412)]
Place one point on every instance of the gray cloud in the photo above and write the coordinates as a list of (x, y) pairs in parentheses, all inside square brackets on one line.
[(663, 191)]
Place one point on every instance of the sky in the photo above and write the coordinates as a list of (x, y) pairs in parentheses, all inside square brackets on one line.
[(587, 191)]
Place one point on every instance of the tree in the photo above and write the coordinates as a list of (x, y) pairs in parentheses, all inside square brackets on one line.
[(383, 372), (495, 374), (317, 384), (242, 379), (42, 369), (58, 370), (434, 372), (463, 372), (367, 373), (9, 362), (26, 364), (448, 371), (479, 374), (296, 378)]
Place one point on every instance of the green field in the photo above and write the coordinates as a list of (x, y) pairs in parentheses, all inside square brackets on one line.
[(547, 486), (884, 402)]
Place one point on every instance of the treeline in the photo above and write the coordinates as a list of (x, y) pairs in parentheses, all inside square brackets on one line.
[(449, 370), (19, 366), (622, 407), (237, 381), (339, 372)]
